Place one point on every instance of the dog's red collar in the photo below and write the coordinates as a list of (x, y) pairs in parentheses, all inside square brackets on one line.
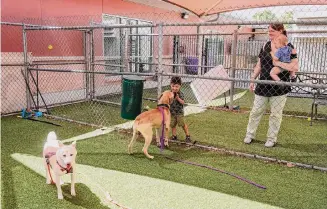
[(69, 168)]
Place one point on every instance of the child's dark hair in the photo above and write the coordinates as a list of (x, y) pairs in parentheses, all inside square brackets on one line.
[(176, 80)]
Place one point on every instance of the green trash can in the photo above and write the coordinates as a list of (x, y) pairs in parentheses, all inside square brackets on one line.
[(131, 104)]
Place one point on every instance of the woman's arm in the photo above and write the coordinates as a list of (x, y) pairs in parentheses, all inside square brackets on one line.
[(292, 66), (256, 70)]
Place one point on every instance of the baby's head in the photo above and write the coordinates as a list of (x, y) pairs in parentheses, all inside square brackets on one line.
[(280, 41), (175, 84)]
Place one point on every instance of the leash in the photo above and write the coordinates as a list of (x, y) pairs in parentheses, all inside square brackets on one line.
[(218, 170), (52, 182), (108, 196), (197, 164), (162, 138)]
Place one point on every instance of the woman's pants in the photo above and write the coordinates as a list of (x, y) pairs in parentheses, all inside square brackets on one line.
[(277, 104)]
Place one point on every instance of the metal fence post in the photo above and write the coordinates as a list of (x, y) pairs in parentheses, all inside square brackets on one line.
[(233, 68), (160, 52), (199, 49), (26, 74), (151, 58), (92, 58), (86, 59), (126, 51), (37, 89)]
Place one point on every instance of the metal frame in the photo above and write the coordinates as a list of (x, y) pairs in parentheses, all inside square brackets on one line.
[(303, 22), (160, 69), (26, 74), (233, 68), (318, 86)]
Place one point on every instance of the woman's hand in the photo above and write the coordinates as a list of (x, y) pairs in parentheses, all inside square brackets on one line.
[(251, 87), (276, 63), (257, 70)]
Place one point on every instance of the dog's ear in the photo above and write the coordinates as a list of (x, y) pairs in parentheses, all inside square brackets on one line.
[(74, 144), (60, 144)]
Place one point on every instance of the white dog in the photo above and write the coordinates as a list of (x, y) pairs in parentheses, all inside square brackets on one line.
[(60, 159)]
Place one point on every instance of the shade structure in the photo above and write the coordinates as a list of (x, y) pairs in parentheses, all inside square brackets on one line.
[(209, 7)]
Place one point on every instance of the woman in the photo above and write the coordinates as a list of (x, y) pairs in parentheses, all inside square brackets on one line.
[(275, 95)]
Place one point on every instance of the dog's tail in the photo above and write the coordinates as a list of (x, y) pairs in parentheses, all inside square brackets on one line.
[(130, 146), (52, 136), (52, 140)]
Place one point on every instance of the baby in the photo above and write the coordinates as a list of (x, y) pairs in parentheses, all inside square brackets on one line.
[(283, 54)]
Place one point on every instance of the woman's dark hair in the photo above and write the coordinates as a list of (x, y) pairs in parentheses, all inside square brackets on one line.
[(176, 80), (279, 27)]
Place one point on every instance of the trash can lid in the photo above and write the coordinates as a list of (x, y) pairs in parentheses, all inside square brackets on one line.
[(133, 78)]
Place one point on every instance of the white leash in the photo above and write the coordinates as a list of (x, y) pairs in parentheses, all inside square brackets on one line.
[(108, 196)]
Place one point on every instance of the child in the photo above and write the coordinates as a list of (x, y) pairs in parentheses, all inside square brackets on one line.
[(283, 54), (177, 109)]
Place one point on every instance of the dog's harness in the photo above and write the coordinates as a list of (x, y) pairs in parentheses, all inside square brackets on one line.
[(69, 168), (162, 138)]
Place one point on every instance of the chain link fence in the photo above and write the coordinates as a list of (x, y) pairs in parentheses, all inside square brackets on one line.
[(73, 67)]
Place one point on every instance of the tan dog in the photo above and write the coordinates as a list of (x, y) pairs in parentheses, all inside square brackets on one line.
[(148, 120), (60, 159)]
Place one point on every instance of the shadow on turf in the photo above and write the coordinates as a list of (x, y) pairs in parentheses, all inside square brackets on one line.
[(83, 197)]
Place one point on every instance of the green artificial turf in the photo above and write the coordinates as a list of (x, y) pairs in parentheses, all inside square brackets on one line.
[(286, 187)]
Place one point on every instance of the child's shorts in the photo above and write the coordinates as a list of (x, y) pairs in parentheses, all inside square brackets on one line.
[(177, 120)]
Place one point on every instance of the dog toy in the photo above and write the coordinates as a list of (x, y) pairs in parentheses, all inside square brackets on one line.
[(28, 113)]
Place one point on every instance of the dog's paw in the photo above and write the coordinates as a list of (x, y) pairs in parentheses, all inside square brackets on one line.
[(60, 197), (158, 144), (73, 193), (130, 150), (166, 144)]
